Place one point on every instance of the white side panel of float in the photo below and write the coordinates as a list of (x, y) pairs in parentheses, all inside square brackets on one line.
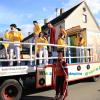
[(74, 74), (44, 77)]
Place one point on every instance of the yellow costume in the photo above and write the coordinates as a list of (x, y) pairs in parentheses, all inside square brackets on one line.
[(42, 50), (37, 29), (6, 45), (14, 36), (41, 40), (61, 41), (77, 41), (63, 31), (83, 42)]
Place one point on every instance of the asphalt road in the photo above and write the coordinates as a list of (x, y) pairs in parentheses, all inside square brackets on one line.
[(82, 90)]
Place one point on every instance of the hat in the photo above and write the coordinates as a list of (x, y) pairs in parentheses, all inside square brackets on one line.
[(13, 25), (35, 22)]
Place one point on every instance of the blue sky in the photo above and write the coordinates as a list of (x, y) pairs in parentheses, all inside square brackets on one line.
[(23, 12)]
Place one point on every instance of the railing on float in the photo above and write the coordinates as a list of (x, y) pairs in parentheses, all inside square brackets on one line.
[(69, 54)]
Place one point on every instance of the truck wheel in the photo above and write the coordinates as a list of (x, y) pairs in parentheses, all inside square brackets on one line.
[(10, 90)]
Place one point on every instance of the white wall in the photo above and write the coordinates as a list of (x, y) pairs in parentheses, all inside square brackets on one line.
[(76, 18), (93, 40), (57, 26)]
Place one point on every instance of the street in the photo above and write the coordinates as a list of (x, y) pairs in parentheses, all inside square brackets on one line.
[(82, 90)]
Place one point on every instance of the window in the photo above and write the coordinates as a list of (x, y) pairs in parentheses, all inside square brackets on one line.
[(84, 15), (84, 9), (84, 18)]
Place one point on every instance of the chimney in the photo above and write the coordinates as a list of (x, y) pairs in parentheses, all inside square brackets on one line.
[(61, 11), (57, 12), (45, 21), (29, 33)]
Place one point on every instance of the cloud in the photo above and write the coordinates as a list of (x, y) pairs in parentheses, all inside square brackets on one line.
[(8, 16), (71, 3), (27, 28), (94, 6), (41, 22), (66, 5), (98, 20), (44, 9)]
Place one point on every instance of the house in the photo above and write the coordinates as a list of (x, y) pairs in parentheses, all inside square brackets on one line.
[(78, 19), (79, 15)]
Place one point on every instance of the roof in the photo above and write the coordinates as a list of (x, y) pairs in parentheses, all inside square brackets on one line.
[(28, 37), (74, 30), (57, 19)]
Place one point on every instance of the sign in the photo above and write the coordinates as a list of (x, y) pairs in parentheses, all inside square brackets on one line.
[(9, 71)]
